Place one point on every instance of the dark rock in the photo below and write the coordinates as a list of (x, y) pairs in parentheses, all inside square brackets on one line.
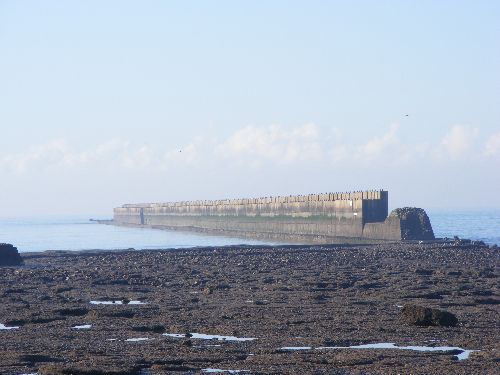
[(268, 280), (77, 311), (157, 328), (63, 289), (9, 256), (15, 322), (223, 286), (38, 358), (487, 301), (425, 316), (45, 319), (115, 314), (415, 224)]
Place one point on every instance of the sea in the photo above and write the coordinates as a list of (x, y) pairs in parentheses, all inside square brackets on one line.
[(79, 233)]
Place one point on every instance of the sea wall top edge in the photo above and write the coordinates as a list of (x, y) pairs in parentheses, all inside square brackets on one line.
[(354, 195)]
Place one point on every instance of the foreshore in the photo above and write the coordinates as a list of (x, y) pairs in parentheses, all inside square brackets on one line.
[(273, 310)]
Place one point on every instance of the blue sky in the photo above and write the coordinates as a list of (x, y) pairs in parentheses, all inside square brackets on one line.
[(106, 102)]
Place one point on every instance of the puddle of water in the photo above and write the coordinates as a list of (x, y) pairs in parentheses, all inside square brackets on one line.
[(137, 339), (296, 348), (389, 345), (210, 337), (117, 303), (84, 326), (218, 370), (2, 326)]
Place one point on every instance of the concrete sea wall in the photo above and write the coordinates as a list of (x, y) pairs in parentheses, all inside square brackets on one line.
[(361, 214)]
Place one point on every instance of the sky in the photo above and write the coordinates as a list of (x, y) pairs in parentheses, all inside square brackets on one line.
[(111, 102)]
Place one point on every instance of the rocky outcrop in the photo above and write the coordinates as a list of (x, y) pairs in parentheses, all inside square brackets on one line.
[(9, 256), (425, 316), (415, 224)]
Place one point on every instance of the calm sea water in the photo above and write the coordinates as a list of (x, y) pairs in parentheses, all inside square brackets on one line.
[(481, 225), (78, 233)]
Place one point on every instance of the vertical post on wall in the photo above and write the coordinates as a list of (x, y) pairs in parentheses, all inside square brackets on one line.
[(142, 215)]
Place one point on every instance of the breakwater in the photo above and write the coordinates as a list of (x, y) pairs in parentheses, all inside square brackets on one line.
[(362, 214)]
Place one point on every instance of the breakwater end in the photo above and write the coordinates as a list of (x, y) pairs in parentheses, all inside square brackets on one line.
[(315, 217)]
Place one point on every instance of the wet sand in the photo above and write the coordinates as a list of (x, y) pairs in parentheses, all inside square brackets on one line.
[(307, 297)]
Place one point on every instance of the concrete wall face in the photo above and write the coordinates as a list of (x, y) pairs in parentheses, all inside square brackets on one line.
[(390, 230), (282, 226), (356, 214), (331, 209)]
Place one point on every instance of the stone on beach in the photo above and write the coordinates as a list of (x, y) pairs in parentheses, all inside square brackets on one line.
[(426, 316), (9, 256)]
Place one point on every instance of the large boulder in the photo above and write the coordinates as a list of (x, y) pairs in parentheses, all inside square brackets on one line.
[(425, 316), (415, 224), (9, 256)]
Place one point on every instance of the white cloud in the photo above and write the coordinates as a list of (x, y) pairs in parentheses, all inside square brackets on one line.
[(386, 147), (458, 141), (140, 158), (378, 145), (492, 147), (49, 153), (274, 143), (110, 150), (257, 147), (59, 153)]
